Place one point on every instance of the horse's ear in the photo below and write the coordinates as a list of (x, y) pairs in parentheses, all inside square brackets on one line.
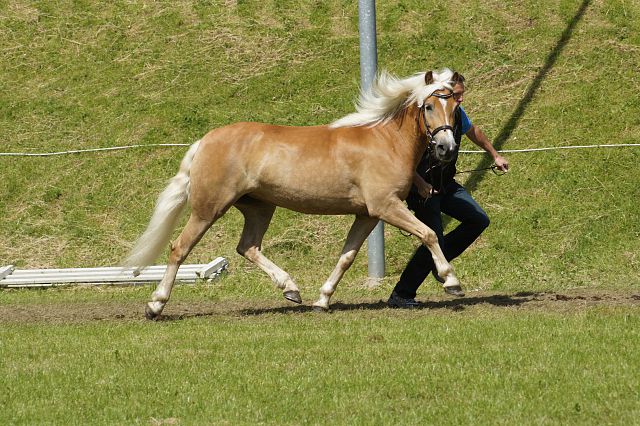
[(428, 77), (457, 78)]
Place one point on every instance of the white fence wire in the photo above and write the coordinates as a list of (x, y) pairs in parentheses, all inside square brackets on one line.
[(155, 145)]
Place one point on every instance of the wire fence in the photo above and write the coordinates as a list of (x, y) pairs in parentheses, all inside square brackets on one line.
[(554, 148), (89, 150), (165, 145)]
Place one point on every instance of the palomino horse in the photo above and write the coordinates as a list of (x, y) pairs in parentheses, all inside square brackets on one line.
[(362, 164)]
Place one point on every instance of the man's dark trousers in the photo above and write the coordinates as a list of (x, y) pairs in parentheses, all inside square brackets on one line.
[(457, 203)]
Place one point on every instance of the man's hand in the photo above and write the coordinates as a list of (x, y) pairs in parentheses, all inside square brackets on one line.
[(424, 189), (501, 163), (477, 136)]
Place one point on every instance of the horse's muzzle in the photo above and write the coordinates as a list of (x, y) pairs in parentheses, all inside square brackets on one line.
[(445, 151)]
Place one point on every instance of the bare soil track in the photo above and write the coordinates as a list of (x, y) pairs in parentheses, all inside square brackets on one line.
[(83, 312)]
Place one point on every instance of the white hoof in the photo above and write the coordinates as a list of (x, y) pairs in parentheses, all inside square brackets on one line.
[(451, 281), (318, 307), (153, 310)]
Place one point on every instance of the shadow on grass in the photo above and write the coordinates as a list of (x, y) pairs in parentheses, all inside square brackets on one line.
[(500, 300), (474, 179), (526, 300)]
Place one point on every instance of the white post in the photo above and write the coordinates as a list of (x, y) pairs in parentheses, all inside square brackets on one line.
[(368, 66)]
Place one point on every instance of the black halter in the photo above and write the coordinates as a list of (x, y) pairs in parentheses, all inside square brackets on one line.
[(431, 133)]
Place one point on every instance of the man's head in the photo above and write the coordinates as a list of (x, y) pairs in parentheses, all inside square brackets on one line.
[(457, 82)]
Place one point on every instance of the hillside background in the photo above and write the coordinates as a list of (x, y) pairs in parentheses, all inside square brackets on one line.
[(85, 74)]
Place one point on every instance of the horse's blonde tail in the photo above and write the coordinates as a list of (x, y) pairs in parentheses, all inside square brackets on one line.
[(165, 217)]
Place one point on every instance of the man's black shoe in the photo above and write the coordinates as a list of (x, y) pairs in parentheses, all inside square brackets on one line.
[(396, 301)]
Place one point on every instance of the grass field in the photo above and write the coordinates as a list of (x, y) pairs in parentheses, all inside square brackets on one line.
[(76, 357), (549, 331)]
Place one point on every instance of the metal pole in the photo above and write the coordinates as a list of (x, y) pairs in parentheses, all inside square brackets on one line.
[(368, 66)]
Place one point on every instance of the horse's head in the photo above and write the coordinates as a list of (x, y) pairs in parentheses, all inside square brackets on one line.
[(437, 117)]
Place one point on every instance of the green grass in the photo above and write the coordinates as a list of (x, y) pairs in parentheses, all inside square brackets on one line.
[(483, 366), (79, 74), (231, 354)]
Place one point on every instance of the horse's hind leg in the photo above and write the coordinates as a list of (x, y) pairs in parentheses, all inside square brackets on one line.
[(361, 228), (191, 234), (257, 216)]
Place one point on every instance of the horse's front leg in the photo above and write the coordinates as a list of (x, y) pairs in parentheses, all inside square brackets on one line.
[(398, 215), (361, 228)]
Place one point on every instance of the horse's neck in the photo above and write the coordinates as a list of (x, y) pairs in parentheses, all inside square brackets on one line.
[(411, 135)]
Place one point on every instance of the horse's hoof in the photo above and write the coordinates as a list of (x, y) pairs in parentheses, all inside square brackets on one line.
[(150, 314), (454, 290), (320, 309), (293, 295)]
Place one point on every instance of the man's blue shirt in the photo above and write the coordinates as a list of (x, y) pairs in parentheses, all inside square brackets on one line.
[(464, 121)]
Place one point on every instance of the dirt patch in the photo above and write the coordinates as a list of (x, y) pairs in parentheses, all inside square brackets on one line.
[(82, 312)]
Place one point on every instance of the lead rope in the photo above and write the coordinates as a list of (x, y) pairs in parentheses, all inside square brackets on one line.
[(494, 168)]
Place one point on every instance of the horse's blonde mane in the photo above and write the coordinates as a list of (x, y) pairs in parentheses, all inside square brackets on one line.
[(389, 95)]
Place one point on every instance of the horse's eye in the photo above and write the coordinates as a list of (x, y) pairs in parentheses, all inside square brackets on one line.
[(429, 107)]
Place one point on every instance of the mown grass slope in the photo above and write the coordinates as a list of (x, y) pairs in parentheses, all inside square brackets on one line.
[(99, 74)]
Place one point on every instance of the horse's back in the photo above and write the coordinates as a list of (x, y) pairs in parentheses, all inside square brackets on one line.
[(306, 169)]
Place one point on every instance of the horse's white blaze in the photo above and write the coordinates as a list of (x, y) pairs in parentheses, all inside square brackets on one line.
[(443, 102), (446, 137)]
